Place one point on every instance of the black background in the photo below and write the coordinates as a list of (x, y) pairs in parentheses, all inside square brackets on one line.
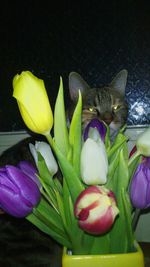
[(95, 38)]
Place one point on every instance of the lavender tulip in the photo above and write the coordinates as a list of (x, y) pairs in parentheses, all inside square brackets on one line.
[(19, 194), (99, 125), (140, 185)]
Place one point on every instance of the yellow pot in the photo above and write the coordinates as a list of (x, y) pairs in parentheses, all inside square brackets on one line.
[(132, 259)]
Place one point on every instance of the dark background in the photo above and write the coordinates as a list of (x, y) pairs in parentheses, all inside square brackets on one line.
[(95, 38)]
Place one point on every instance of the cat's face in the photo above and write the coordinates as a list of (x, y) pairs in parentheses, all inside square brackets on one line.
[(106, 103)]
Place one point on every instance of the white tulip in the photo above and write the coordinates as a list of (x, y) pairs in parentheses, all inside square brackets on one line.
[(143, 143), (94, 163), (46, 153)]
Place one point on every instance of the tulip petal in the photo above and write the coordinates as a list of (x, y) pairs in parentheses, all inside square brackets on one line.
[(18, 206), (99, 125), (4, 181), (33, 102), (140, 185), (18, 193), (29, 190), (30, 171), (94, 163), (47, 154), (34, 153), (143, 143), (95, 209)]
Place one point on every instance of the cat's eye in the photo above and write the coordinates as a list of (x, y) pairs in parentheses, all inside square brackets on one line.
[(116, 107), (91, 109)]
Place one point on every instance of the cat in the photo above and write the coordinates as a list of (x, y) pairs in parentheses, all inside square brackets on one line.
[(106, 103)]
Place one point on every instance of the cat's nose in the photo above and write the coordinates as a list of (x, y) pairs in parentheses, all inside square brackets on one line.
[(107, 117)]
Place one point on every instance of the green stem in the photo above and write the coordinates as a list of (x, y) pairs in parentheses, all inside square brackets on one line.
[(50, 140), (135, 218), (135, 155)]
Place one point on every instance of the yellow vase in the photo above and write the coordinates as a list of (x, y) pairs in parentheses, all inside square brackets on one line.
[(132, 259)]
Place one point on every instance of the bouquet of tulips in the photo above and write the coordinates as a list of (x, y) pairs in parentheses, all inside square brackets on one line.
[(88, 205)]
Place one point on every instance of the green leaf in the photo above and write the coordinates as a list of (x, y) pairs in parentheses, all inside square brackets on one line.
[(66, 195), (119, 140), (127, 212), (123, 171), (60, 124), (50, 222), (73, 181), (101, 244), (58, 185), (121, 227), (47, 182), (47, 213), (44, 172), (112, 177), (75, 135), (61, 209), (71, 222), (47, 230), (134, 165)]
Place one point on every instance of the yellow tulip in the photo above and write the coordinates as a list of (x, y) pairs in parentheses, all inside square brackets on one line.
[(33, 102)]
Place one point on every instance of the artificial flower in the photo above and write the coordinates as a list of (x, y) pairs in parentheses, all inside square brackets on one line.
[(19, 194), (33, 102), (140, 185), (96, 210), (46, 153)]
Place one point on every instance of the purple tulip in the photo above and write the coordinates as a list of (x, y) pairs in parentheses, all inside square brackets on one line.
[(30, 171), (19, 194), (140, 185), (99, 125)]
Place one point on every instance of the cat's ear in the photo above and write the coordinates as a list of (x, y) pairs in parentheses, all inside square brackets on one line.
[(119, 82), (76, 83)]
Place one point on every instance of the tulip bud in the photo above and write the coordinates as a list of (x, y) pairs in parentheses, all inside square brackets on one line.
[(140, 185), (96, 210), (19, 194), (143, 143), (33, 102), (94, 163), (46, 153), (99, 125)]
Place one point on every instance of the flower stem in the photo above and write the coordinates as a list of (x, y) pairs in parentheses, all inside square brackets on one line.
[(135, 218), (49, 139), (135, 155)]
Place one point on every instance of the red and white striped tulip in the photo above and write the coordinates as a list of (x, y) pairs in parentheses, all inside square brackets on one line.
[(96, 210)]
